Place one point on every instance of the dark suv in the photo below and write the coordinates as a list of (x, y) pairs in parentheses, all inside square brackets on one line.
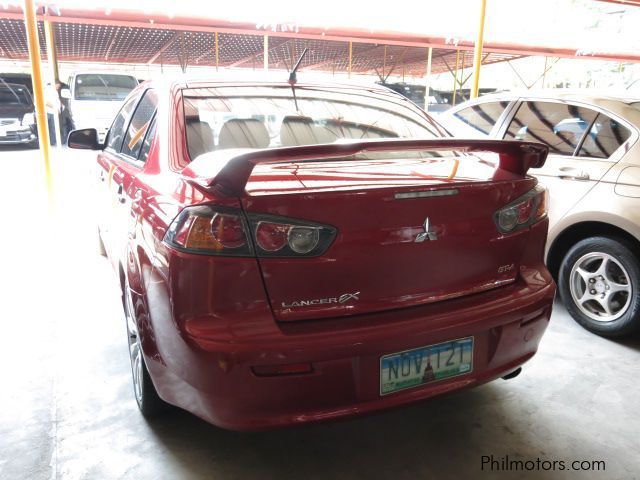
[(17, 115)]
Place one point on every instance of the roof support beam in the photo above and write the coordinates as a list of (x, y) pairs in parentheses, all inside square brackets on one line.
[(265, 53), (312, 66), (164, 47), (111, 44), (5, 53), (259, 53), (395, 63)]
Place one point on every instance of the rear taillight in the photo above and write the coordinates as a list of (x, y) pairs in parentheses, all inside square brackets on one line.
[(225, 231), (286, 237), (523, 211), (210, 230)]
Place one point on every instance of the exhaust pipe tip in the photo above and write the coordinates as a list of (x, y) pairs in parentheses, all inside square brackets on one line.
[(513, 374)]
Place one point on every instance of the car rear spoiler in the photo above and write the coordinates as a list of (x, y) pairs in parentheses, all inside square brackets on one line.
[(230, 175)]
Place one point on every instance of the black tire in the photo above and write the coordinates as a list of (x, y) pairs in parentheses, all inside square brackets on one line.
[(151, 405), (580, 271), (101, 250), (145, 393)]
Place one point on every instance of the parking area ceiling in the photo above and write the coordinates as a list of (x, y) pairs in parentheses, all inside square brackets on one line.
[(110, 36), (82, 42)]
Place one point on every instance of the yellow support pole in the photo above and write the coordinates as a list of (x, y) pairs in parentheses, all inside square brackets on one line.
[(31, 25), (52, 58), (266, 53), (461, 81), (350, 57), (217, 49), (427, 82), (477, 52), (455, 78)]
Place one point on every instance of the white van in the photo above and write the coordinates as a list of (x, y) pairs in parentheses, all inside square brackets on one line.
[(94, 98)]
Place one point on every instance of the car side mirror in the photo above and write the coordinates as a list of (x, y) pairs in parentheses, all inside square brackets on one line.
[(85, 139), (65, 93)]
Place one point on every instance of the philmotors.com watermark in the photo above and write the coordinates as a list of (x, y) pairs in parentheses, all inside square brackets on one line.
[(505, 464)]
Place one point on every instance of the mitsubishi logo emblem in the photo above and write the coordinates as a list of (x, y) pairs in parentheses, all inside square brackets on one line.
[(428, 234)]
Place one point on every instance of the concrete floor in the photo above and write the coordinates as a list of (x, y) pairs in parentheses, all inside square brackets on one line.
[(67, 408)]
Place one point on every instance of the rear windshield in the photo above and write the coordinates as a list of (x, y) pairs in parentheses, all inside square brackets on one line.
[(263, 117), (14, 94), (103, 87)]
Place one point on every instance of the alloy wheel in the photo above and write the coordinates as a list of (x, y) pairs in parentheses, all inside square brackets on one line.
[(600, 286), (135, 353)]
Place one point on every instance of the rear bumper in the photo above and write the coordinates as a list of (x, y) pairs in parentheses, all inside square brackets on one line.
[(215, 380)]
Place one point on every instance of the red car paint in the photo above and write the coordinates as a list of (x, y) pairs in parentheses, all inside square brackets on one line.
[(208, 323)]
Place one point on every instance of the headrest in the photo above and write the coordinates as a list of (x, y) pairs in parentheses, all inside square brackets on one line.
[(303, 131), (243, 133)]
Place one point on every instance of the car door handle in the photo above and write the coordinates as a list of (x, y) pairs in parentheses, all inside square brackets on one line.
[(570, 173)]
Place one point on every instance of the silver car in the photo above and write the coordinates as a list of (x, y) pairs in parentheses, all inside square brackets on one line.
[(593, 177)]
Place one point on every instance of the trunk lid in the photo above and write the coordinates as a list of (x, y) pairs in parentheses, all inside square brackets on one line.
[(392, 250)]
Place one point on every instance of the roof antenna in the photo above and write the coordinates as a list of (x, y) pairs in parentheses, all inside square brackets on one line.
[(293, 78)]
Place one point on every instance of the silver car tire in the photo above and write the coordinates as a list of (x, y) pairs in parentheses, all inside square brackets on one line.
[(599, 283), (145, 393)]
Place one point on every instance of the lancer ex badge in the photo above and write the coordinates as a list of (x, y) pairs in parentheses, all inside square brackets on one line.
[(342, 299), (428, 234)]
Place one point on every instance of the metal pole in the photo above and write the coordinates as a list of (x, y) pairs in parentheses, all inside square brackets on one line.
[(477, 53), (544, 72), (52, 56), (350, 57), (384, 64), (217, 49), (31, 25), (455, 78), (266, 53), (462, 82), (427, 86)]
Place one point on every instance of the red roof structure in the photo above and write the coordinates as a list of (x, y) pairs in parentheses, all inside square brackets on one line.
[(112, 36)]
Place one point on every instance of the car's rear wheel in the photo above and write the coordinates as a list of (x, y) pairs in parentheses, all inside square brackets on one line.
[(600, 286), (147, 397)]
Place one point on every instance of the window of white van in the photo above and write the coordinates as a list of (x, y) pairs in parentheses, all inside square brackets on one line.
[(103, 87)]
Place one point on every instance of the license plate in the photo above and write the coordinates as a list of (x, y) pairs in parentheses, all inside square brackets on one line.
[(411, 368)]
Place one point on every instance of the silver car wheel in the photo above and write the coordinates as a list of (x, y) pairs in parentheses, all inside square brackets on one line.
[(135, 354), (600, 287)]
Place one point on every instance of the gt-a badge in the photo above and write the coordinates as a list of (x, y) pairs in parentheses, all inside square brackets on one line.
[(342, 299)]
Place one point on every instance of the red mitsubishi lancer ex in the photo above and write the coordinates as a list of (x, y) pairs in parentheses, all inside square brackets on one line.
[(295, 253)]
